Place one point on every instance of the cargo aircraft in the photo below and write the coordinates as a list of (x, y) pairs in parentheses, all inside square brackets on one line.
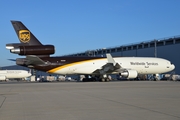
[(13, 74), (38, 57)]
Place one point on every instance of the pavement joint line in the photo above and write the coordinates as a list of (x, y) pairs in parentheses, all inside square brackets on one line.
[(137, 107), (145, 109), (3, 100)]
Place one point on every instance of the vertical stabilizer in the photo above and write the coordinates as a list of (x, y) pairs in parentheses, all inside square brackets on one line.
[(24, 35), (29, 44)]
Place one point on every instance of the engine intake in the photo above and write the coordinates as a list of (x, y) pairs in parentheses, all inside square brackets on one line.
[(129, 74), (34, 50)]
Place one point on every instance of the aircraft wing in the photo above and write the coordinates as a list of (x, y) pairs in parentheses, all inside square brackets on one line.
[(33, 59), (109, 67)]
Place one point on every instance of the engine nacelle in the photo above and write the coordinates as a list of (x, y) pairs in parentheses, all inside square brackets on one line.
[(34, 50), (129, 74)]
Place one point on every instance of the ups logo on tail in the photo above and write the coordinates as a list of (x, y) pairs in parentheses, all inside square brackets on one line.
[(24, 36)]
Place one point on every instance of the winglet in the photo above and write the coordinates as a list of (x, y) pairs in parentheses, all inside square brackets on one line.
[(110, 59)]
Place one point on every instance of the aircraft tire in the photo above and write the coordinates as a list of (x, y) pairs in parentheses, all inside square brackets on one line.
[(107, 80), (103, 80)]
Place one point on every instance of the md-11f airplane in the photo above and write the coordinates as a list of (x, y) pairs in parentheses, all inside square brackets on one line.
[(13, 74), (38, 57)]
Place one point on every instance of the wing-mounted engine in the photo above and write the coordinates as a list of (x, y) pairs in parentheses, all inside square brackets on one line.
[(34, 50), (129, 74)]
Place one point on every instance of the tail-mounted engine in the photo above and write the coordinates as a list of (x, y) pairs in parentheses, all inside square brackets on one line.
[(34, 50), (129, 74)]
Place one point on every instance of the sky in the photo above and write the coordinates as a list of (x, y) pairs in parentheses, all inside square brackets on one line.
[(74, 26)]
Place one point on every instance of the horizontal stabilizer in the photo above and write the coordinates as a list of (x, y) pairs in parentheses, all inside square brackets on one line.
[(12, 59)]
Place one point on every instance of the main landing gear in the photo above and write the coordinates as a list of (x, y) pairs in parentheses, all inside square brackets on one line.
[(105, 78), (91, 78)]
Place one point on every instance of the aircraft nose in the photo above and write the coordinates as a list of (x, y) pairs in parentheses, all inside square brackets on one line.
[(30, 74), (172, 66)]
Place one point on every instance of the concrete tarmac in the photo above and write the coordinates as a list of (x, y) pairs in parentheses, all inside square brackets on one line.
[(126, 100)]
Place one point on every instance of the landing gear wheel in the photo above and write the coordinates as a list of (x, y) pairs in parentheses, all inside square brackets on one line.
[(107, 80), (103, 80)]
